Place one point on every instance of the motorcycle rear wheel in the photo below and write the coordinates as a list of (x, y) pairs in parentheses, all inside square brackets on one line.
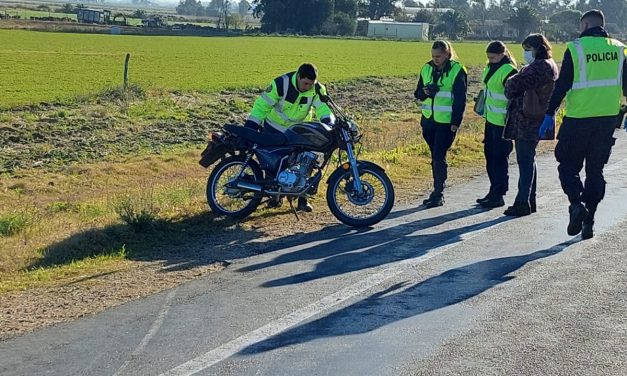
[(224, 197)]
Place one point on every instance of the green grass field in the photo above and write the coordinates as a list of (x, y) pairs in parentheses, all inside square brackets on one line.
[(39, 67)]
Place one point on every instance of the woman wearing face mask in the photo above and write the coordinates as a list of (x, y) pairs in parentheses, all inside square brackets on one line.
[(501, 65), (442, 91), (536, 81)]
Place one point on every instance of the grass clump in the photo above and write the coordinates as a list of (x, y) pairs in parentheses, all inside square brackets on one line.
[(138, 212), (14, 223)]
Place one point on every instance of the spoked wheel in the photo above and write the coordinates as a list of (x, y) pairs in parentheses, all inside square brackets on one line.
[(223, 195), (360, 209)]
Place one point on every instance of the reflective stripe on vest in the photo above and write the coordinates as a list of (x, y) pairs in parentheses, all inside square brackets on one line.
[(583, 82), (441, 106), (496, 101), (597, 83)]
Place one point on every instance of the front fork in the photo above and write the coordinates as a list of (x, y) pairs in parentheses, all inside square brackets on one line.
[(352, 160)]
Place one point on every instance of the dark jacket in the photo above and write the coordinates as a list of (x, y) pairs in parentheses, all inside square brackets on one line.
[(537, 75), (565, 81), (459, 93)]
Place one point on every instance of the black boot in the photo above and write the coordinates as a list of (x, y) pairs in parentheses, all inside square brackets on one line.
[(519, 209), (493, 202), (303, 205), (577, 214), (434, 200), (484, 198), (587, 230)]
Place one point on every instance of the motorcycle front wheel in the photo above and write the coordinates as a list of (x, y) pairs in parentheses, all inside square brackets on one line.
[(363, 209), (223, 195)]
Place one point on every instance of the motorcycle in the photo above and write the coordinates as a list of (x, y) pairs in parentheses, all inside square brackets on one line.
[(255, 165)]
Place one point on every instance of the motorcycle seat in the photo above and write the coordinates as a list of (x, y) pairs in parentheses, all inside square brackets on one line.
[(261, 139)]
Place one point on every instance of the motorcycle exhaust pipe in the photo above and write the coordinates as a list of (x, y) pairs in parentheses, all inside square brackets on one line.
[(252, 187)]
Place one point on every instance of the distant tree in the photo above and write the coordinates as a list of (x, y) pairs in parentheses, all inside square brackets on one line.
[(213, 9), (453, 25), (479, 11), (243, 8), (348, 7), (524, 19), (299, 16), (345, 24), (411, 3), (564, 25), (236, 21), (224, 12), (139, 13), (190, 8), (375, 9), (540, 6), (425, 16), (68, 8)]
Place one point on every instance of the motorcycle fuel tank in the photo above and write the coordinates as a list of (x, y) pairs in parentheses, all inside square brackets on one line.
[(311, 135)]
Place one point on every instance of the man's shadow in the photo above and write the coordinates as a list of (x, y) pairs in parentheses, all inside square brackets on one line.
[(370, 249), (400, 302)]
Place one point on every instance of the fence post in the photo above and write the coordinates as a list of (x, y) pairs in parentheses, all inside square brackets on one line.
[(128, 57)]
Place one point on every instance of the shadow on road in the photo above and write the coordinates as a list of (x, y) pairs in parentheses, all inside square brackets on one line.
[(374, 248), (402, 301)]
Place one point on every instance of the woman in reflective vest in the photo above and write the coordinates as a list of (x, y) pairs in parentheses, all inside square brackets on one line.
[(442, 90), (501, 65)]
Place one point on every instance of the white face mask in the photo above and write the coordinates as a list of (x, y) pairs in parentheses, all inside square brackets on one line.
[(528, 55)]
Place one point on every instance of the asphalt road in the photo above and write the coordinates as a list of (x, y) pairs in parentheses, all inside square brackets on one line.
[(445, 291)]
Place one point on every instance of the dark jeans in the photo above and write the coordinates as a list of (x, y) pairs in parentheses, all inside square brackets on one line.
[(527, 170), (497, 151), (439, 137), (589, 141)]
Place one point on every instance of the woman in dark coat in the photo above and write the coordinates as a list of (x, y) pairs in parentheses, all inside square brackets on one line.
[(523, 122)]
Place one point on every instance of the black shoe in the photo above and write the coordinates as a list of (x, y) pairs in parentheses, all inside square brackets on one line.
[(484, 198), (275, 202), (518, 210), (493, 202), (434, 201), (577, 214), (303, 205), (587, 230)]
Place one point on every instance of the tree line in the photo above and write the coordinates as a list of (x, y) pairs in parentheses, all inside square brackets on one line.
[(557, 18)]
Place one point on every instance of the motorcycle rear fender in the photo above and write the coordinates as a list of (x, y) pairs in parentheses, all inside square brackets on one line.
[(345, 167), (214, 151)]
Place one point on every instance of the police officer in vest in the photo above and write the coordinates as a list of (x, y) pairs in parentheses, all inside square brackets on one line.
[(292, 98), (442, 90), (593, 78), (501, 66)]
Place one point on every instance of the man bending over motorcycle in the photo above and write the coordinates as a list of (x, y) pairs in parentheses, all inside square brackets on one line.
[(292, 98)]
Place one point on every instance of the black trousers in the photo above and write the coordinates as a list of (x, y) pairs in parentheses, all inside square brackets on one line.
[(439, 137), (497, 151), (586, 141)]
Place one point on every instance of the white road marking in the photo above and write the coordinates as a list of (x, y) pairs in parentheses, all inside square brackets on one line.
[(151, 333)]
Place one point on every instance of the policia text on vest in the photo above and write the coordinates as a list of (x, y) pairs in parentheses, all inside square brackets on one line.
[(601, 56)]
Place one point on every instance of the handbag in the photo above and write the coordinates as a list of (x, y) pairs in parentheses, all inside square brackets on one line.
[(536, 101), (479, 107)]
